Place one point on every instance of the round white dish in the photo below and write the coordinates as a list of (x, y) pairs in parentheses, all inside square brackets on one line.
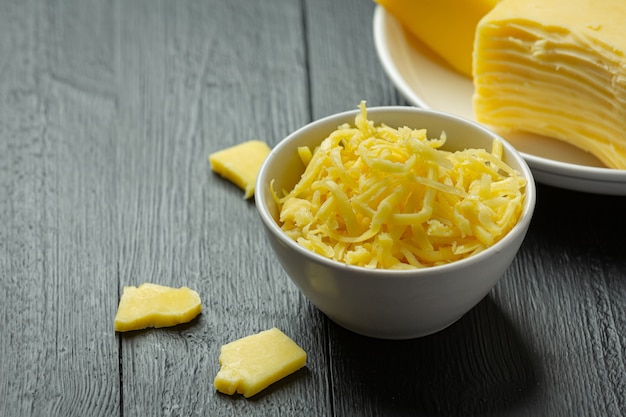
[(387, 303), (426, 81)]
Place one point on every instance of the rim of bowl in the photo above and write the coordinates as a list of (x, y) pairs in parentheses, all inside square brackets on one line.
[(519, 228)]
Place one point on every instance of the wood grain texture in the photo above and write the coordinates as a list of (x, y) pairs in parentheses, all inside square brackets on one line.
[(58, 270), (547, 341), (344, 67), (200, 77), (571, 280), (108, 112)]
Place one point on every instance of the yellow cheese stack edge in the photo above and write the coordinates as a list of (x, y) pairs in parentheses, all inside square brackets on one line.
[(555, 68), (446, 26)]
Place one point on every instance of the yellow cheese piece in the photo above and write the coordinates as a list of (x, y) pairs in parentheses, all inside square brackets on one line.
[(152, 305), (240, 164), (446, 26), (253, 363), (386, 197), (555, 68)]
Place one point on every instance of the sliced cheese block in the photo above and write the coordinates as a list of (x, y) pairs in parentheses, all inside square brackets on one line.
[(445, 26), (152, 305), (253, 363), (555, 68), (240, 164)]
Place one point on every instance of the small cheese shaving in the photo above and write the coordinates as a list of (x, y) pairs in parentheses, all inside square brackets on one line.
[(241, 163), (252, 363), (381, 197)]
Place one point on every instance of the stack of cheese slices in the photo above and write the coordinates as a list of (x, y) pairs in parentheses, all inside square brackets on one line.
[(555, 68)]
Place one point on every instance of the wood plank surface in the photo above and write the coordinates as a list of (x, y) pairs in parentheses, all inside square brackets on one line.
[(108, 112), (58, 274), (547, 341), (203, 76)]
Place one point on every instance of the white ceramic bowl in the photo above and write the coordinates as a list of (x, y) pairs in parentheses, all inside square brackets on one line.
[(389, 304)]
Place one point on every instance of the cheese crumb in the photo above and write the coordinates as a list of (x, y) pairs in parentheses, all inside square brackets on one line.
[(152, 305), (253, 363), (381, 197), (241, 163)]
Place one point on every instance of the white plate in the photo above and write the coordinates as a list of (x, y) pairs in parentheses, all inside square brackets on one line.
[(426, 81)]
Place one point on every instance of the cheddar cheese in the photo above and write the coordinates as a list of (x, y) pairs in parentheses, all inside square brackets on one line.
[(251, 364), (555, 68), (386, 197), (446, 26), (152, 305), (240, 164)]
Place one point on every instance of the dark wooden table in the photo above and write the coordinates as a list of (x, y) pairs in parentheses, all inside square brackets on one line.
[(108, 111)]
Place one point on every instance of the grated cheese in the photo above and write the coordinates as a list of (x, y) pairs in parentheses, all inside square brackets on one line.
[(381, 197)]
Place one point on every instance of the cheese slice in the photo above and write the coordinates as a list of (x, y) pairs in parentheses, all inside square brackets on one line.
[(152, 305), (253, 363), (446, 26), (241, 163), (555, 68)]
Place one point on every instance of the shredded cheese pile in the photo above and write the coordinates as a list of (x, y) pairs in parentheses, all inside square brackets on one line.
[(380, 197)]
